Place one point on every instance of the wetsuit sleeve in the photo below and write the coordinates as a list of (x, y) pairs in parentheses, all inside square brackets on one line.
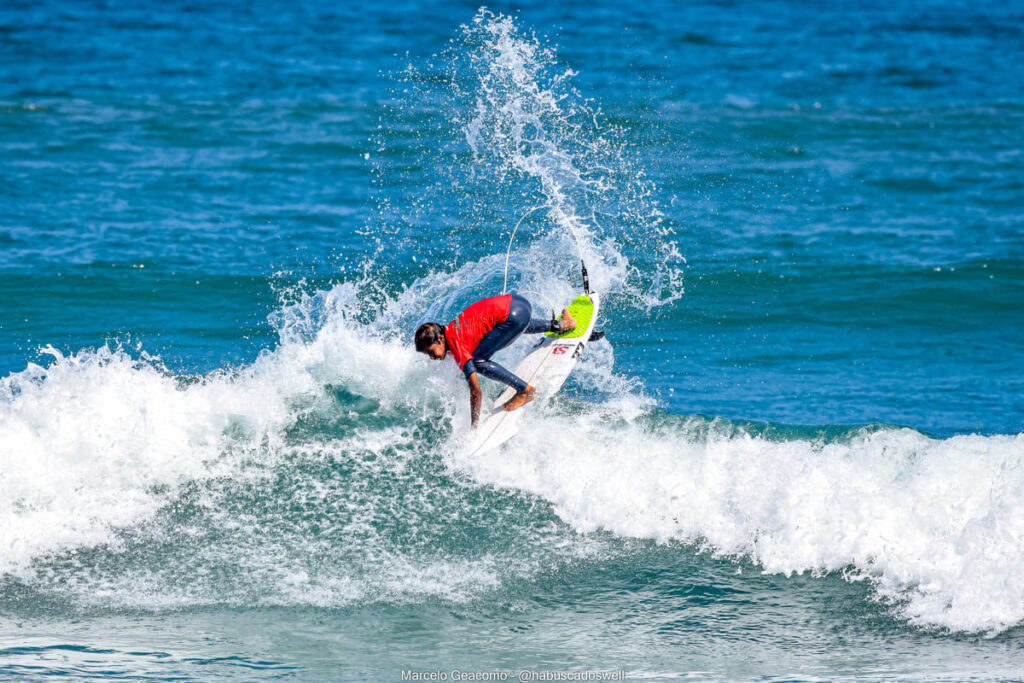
[(469, 368)]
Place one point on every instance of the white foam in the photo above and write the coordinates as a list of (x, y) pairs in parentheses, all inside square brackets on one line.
[(84, 442), (99, 440), (936, 525)]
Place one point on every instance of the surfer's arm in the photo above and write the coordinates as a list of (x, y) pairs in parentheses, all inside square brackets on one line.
[(475, 396)]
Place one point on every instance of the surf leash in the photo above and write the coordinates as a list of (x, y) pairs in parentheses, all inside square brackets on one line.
[(579, 247)]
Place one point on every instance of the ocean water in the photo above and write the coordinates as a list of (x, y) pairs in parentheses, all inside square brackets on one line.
[(797, 455)]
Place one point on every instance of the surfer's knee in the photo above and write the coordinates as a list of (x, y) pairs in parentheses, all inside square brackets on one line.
[(520, 310)]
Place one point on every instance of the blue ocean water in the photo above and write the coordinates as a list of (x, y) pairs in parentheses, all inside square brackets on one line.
[(797, 455)]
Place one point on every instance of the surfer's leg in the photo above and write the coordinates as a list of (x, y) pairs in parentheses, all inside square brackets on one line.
[(538, 325), (501, 336), (504, 333), (490, 369), (565, 324), (521, 310), (524, 392)]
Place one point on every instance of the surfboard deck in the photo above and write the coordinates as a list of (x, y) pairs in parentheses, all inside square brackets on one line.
[(545, 368)]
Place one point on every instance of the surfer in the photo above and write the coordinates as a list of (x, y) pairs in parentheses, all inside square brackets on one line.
[(478, 333)]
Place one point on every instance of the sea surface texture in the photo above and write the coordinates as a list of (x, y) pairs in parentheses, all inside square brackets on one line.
[(798, 454)]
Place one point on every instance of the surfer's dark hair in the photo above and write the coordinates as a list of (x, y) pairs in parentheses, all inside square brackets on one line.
[(428, 334)]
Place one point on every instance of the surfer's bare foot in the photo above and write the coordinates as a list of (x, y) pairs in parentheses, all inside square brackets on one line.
[(520, 399), (566, 323)]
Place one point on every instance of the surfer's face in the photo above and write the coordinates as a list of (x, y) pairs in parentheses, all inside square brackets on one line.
[(437, 350)]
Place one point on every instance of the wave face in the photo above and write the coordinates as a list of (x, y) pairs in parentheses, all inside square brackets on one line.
[(321, 472), (303, 480)]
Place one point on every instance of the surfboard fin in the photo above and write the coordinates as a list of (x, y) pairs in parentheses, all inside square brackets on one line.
[(596, 334)]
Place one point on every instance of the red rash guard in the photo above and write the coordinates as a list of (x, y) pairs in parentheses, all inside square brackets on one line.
[(464, 333)]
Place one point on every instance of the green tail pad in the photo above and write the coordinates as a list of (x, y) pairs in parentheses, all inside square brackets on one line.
[(582, 310)]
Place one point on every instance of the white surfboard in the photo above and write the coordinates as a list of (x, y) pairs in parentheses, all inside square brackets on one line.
[(545, 368)]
